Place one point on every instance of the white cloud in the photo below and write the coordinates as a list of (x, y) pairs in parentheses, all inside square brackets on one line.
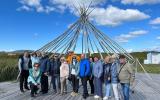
[(109, 15), (102, 16), (123, 38), (129, 50), (140, 2), (24, 7), (158, 37), (155, 21), (30, 5)]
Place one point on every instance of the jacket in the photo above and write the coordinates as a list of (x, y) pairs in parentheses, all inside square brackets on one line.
[(126, 74), (44, 64), (64, 70), (114, 72), (84, 68), (98, 69), (55, 67), (34, 79), (77, 68), (107, 71)]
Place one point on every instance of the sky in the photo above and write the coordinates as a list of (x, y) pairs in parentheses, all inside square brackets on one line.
[(30, 24)]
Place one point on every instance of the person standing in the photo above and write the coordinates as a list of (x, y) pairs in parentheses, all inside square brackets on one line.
[(126, 76), (84, 74), (55, 73), (64, 73), (74, 73), (91, 77), (98, 73), (107, 77), (44, 66), (24, 64), (114, 75), (34, 78)]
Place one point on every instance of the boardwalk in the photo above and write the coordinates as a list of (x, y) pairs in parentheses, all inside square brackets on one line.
[(144, 90)]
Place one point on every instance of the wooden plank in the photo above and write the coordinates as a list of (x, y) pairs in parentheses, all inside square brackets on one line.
[(144, 90)]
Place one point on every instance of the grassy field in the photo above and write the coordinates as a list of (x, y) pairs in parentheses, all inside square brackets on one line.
[(9, 68)]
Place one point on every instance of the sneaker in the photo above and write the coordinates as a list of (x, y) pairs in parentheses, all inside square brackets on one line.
[(72, 93), (96, 97), (105, 98), (76, 94)]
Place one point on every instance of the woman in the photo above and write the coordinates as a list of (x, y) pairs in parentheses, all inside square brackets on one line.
[(64, 72), (74, 72), (34, 79), (98, 72), (107, 76)]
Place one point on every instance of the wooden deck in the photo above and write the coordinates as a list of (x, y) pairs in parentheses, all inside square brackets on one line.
[(145, 90)]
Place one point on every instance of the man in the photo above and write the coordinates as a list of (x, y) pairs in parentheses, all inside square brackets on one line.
[(126, 76), (24, 64), (114, 75), (55, 72), (84, 74), (44, 67)]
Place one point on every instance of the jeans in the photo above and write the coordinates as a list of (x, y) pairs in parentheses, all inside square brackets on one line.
[(108, 88), (115, 90), (84, 83), (75, 83), (91, 85), (23, 79), (34, 89), (98, 86), (125, 89), (44, 83), (56, 83)]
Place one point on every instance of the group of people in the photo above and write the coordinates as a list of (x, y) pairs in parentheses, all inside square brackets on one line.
[(35, 69)]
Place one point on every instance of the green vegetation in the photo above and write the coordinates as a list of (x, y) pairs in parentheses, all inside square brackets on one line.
[(8, 67), (151, 68)]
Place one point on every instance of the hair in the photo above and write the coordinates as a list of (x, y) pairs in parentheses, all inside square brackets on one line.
[(122, 56), (92, 58), (97, 57)]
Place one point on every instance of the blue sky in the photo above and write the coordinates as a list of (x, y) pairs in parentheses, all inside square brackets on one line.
[(29, 24)]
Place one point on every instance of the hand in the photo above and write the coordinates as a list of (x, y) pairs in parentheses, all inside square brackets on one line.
[(46, 74), (109, 78)]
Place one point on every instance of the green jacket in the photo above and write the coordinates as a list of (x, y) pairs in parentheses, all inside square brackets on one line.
[(126, 74)]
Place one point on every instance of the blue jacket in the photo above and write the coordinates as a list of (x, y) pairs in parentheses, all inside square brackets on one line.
[(114, 71), (44, 64), (84, 68), (98, 69)]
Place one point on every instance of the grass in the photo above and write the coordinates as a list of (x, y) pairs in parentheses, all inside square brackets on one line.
[(8, 67), (151, 68)]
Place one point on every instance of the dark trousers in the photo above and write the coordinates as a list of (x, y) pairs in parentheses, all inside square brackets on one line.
[(84, 83), (44, 83), (75, 83), (56, 83), (91, 85), (23, 79), (98, 86), (34, 89)]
